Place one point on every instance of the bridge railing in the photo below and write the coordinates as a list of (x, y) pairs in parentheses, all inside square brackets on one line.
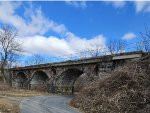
[(81, 55)]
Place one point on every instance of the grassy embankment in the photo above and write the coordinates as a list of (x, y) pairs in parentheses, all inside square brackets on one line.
[(11, 98), (126, 90)]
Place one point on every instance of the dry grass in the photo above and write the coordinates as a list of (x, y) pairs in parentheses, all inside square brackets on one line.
[(11, 98), (8, 106), (3, 87), (127, 90), (22, 93)]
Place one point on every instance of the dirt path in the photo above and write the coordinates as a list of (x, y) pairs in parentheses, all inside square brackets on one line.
[(47, 104)]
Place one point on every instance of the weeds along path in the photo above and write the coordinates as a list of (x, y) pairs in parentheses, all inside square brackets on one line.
[(10, 98), (10, 104)]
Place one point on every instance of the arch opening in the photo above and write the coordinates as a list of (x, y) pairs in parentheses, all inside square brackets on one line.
[(80, 83), (39, 81), (65, 83), (21, 80)]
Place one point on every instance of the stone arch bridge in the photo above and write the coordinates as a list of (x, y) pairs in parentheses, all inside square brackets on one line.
[(60, 77)]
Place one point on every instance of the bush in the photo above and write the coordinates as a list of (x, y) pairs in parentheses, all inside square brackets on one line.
[(127, 90), (3, 86)]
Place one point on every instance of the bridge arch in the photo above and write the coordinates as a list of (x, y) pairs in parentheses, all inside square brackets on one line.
[(65, 82), (21, 79), (39, 80)]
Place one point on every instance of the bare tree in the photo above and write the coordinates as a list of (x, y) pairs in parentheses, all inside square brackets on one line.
[(9, 48), (96, 50), (90, 53), (35, 59), (116, 46), (111, 46), (83, 54), (144, 43)]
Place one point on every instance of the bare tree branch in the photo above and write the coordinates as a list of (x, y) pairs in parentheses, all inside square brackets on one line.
[(35, 59), (144, 43), (116, 46), (9, 47)]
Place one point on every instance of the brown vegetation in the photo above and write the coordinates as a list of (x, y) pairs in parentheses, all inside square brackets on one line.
[(10, 98), (9, 106), (127, 90), (41, 88), (3, 86)]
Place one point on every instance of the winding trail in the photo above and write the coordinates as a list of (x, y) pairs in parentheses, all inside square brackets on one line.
[(47, 104)]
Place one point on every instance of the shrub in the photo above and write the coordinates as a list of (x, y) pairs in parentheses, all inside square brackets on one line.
[(127, 90)]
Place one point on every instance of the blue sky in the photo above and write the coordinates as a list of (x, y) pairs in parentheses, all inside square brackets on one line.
[(63, 28), (97, 17)]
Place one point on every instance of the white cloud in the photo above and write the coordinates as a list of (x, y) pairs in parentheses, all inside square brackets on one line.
[(43, 45), (142, 6), (129, 35), (35, 24), (32, 27), (116, 4), (81, 44), (59, 47), (78, 4)]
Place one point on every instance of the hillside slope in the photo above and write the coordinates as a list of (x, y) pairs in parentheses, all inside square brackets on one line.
[(127, 90)]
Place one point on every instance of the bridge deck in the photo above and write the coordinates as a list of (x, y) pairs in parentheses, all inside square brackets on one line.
[(127, 55)]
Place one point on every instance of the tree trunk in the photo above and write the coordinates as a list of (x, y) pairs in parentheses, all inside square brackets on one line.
[(3, 75), (4, 79)]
